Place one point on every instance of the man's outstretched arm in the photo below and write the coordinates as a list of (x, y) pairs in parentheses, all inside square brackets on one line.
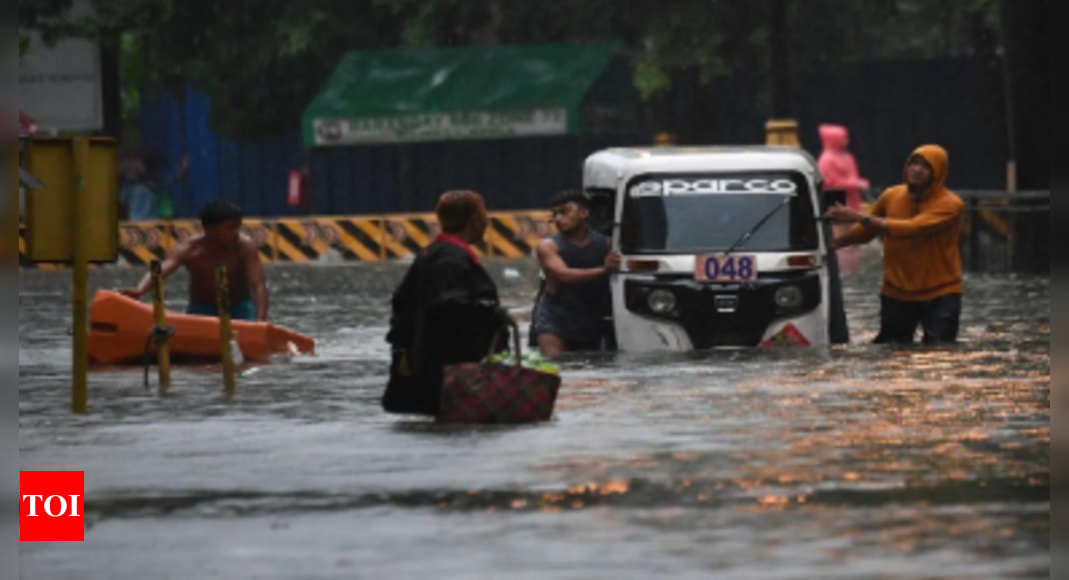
[(865, 227), (169, 266), (555, 268), (858, 235), (932, 221)]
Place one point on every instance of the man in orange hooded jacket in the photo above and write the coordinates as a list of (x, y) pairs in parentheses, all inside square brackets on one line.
[(920, 222)]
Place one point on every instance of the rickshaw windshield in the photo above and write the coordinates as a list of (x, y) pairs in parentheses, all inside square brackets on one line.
[(693, 215)]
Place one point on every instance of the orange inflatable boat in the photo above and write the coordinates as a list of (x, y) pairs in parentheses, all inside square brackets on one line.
[(120, 327)]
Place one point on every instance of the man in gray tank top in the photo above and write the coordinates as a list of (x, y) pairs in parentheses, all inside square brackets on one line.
[(577, 262)]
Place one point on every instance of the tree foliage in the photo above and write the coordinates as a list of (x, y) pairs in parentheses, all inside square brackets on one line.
[(262, 61), (713, 38)]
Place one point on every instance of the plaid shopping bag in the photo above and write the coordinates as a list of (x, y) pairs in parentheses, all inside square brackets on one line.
[(497, 393)]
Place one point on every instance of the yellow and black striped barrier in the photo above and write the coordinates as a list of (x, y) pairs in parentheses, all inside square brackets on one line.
[(330, 239), (141, 244), (512, 235)]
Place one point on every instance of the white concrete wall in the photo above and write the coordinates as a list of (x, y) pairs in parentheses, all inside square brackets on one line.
[(60, 86)]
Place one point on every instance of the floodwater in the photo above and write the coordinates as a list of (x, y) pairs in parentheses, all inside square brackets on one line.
[(859, 462)]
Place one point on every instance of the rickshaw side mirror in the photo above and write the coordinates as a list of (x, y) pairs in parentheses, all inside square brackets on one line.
[(831, 198)]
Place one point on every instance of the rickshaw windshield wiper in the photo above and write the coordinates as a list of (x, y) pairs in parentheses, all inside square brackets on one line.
[(753, 231)]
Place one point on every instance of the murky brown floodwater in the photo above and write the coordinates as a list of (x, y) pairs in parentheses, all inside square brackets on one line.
[(862, 462)]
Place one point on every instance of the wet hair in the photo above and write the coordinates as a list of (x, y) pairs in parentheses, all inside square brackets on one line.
[(217, 213), (457, 209), (570, 196)]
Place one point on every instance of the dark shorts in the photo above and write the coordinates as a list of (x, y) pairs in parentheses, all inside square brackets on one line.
[(940, 319), (548, 321)]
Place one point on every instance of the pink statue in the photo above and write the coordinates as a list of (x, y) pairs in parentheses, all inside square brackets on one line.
[(838, 165)]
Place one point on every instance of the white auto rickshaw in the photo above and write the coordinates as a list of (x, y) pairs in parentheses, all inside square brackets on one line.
[(722, 248)]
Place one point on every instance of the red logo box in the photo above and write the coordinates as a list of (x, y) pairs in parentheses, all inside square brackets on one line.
[(53, 506)]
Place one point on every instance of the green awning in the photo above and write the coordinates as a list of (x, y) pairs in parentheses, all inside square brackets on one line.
[(404, 96)]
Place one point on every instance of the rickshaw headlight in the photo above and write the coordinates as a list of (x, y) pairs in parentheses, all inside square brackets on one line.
[(662, 302), (789, 297)]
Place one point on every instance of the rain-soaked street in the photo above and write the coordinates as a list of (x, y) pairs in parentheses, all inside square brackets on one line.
[(861, 462)]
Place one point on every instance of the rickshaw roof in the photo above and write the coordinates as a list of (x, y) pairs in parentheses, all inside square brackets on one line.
[(607, 168)]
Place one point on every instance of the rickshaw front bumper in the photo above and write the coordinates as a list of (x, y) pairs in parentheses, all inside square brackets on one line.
[(718, 316)]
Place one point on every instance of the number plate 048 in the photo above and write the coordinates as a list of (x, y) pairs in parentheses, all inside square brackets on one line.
[(719, 269)]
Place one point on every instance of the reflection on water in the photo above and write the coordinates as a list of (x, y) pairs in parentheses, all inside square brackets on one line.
[(787, 464)]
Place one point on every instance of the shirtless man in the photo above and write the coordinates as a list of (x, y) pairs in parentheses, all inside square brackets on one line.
[(221, 243)]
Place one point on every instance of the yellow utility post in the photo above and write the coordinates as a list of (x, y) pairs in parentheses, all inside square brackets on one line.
[(664, 139), (80, 298), (73, 218), (783, 133), (222, 297), (159, 303)]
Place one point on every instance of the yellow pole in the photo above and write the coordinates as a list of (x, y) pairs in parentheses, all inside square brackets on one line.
[(783, 132), (80, 296), (664, 139), (159, 304), (222, 293)]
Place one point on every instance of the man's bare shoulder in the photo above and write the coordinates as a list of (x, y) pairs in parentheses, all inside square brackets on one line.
[(548, 247), (188, 246), (249, 249), (195, 241), (247, 243), (549, 244)]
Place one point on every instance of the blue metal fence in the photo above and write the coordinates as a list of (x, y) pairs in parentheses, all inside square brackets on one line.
[(516, 174), (878, 101), (252, 175)]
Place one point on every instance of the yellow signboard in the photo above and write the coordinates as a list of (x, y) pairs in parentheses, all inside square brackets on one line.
[(50, 211)]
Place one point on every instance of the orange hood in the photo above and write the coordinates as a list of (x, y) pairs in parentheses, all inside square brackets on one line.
[(939, 159)]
